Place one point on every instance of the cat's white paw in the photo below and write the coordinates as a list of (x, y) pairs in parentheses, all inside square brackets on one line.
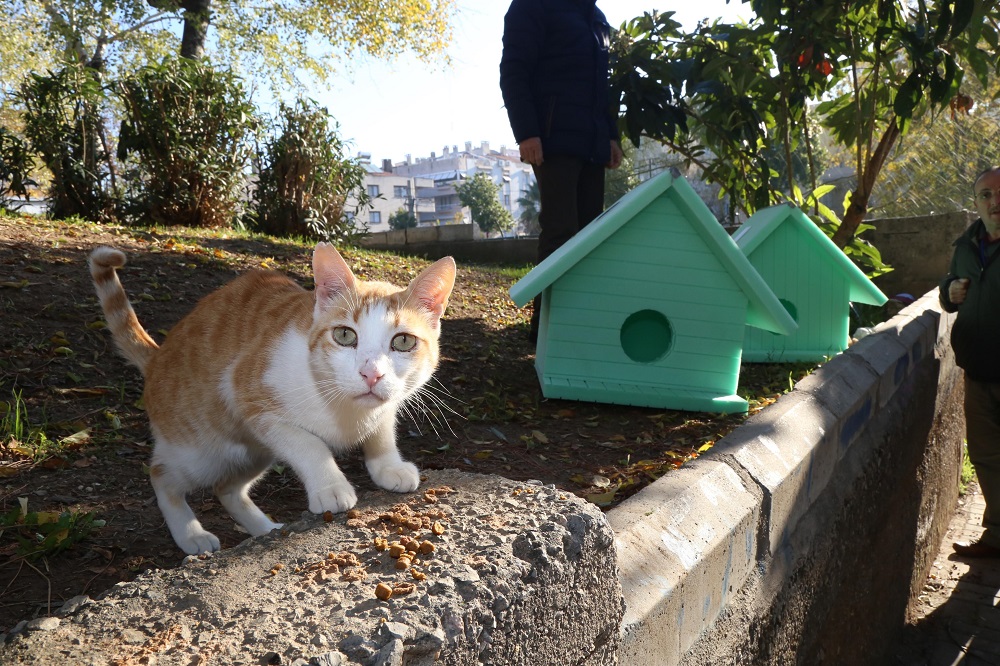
[(398, 476), (198, 541), (262, 528), (336, 498)]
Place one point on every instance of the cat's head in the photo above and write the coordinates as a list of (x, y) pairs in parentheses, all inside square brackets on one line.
[(379, 341)]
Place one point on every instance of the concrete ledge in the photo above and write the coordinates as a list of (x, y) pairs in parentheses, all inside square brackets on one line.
[(521, 574), (682, 545), (837, 492)]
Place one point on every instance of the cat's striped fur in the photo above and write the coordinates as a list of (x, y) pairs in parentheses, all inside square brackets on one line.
[(262, 369)]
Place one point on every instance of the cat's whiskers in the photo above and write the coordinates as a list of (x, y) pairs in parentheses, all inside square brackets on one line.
[(280, 394), (431, 406)]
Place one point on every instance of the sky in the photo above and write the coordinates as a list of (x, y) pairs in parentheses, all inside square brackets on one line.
[(406, 107)]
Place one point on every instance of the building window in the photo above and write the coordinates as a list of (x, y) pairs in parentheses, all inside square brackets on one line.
[(401, 191), (373, 191), (375, 217), (506, 201)]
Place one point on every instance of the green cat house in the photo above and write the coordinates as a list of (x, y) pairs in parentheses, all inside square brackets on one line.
[(813, 279), (646, 306)]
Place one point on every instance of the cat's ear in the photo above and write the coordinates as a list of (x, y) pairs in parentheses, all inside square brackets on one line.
[(331, 274), (433, 286)]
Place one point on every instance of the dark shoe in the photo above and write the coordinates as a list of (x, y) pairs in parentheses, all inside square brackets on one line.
[(975, 549)]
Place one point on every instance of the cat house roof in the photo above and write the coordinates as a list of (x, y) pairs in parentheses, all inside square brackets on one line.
[(763, 310), (756, 231)]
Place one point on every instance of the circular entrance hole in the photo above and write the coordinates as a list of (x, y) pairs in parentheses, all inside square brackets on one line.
[(792, 311), (646, 336)]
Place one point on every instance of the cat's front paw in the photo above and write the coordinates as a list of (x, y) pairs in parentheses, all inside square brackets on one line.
[(198, 541), (336, 498), (397, 476)]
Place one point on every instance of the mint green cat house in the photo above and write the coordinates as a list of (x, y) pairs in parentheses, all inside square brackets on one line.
[(813, 278), (647, 305)]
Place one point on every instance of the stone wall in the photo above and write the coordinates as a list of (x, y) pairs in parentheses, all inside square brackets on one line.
[(918, 248), (802, 536), (455, 240), (517, 574)]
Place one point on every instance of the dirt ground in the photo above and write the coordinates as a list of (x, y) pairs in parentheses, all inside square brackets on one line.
[(74, 438)]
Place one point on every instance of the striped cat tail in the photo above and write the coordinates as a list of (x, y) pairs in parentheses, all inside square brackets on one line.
[(130, 337)]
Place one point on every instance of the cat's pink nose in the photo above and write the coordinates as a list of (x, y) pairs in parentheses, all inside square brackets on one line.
[(371, 375)]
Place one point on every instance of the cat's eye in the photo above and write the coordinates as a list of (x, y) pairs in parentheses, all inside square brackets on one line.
[(345, 337), (404, 342)]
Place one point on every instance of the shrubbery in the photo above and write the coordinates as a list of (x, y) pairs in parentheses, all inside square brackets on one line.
[(304, 179), (187, 134), (15, 165), (184, 153), (63, 123)]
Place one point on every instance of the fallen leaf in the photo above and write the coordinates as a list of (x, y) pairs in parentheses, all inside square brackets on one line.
[(539, 436), (600, 481), (603, 499)]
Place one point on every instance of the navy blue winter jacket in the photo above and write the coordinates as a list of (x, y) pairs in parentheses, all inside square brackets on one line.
[(554, 77)]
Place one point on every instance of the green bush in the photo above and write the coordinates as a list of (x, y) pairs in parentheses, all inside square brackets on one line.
[(305, 181), (16, 163), (402, 219), (63, 123), (187, 136)]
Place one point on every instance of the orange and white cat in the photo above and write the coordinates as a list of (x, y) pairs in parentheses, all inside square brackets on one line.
[(263, 370)]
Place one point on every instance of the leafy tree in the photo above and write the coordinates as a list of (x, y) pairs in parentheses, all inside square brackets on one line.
[(725, 96), (305, 178), (480, 194), (187, 129), (282, 41), (402, 219), (16, 163), (63, 123), (932, 166), (530, 203)]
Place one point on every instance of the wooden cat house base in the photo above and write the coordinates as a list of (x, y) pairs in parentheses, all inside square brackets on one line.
[(813, 279), (647, 306)]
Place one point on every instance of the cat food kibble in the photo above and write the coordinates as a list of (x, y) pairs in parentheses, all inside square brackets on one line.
[(383, 591)]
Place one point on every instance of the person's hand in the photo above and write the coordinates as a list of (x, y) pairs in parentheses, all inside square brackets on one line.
[(531, 151), (957, 290), (616, 155)]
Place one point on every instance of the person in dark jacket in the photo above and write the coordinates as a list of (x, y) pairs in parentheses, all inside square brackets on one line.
[(972, 289), (554, 81)]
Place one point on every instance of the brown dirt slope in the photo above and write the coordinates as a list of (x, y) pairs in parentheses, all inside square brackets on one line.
[(60, 377)]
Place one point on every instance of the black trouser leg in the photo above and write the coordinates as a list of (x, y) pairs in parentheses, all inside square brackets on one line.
[(572, 195)]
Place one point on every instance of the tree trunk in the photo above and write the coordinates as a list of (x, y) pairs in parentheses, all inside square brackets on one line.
[(197, 16), (866, 182)]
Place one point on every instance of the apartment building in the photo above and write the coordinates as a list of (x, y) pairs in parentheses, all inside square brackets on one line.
[(426, 185)]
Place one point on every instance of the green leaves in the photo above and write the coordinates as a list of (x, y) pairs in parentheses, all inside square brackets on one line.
[(480, 194), (305, 178), (16, 163), (187, 135), (46, 533), (737, 105)]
